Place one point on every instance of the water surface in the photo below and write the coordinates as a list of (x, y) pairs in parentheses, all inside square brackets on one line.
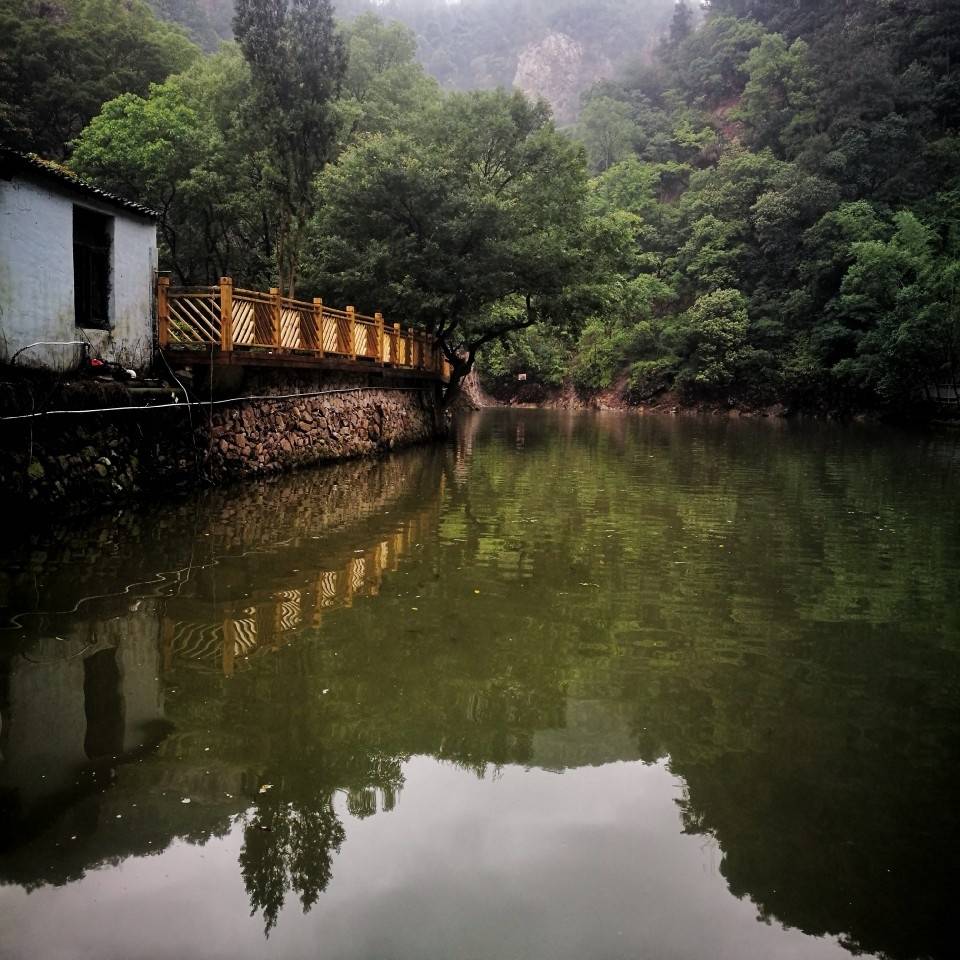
[(571, 686)]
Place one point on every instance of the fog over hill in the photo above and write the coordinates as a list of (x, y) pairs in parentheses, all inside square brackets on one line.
[(551, 48)]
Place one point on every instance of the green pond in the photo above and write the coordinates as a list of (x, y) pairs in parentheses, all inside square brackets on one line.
[(567, 686)]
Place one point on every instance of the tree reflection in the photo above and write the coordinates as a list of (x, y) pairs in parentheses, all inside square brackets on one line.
[(286, 848)]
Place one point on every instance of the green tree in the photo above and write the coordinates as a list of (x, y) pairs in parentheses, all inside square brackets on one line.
[(196, 19), (715, 246), (607, 130), (681, 26), (470, 229), (537, 351), (715, 343), (778, 101), (297, 64), (385, 89), (186, 151), (60, 63), (640, 189), (709, 63), (901, 300), (623, 302)]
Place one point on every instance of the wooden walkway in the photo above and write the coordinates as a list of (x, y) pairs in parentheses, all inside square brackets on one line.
[(222, 324)]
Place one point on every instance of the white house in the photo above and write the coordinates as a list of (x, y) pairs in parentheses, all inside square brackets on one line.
[(77, 269)]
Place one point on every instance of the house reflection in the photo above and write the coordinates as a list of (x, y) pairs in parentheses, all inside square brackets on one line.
[(72, 709)]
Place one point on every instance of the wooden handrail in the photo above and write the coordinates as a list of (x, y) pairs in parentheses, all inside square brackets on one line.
[(227, 317)]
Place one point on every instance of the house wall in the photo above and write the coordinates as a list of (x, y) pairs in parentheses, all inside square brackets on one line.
[(36, 279)]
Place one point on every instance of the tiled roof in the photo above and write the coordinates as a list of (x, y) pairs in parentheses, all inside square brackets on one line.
[(12, 162)]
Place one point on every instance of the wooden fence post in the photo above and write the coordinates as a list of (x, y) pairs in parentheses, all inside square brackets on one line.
[(395, 345), (318, 322), (379, 318), (276, 313), (163, 311), (226, 313), (411, 348), (352, 330)]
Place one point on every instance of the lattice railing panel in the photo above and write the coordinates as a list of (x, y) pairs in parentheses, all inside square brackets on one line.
[(262, 323), (290, 328), (243, 322), (195, 317), (365, 339)]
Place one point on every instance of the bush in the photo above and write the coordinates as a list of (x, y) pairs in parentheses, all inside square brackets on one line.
[(537, 351), (603, 349), (650, 377)]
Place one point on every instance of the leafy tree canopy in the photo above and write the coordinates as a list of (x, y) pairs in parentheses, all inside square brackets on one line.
[(187, 151), (472, 228), (60, 62)]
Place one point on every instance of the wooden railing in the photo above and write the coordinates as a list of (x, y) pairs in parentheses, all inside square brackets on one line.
[(230, 318)]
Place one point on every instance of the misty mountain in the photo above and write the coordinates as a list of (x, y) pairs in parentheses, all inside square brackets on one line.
[(551, 48)]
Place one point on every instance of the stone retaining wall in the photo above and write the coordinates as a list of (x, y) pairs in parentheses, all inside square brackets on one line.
[(95, 460), (266, 436)]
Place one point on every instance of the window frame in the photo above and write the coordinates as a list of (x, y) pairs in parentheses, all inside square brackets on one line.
[(93, 233)]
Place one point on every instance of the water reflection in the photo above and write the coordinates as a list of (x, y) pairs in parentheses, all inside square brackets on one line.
[(90, 680), (772, 610)]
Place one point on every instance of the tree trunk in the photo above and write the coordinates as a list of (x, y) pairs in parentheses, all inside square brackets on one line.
[(460, 368)]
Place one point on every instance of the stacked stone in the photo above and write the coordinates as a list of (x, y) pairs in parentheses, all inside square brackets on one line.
[(102, 459), (271, 435)]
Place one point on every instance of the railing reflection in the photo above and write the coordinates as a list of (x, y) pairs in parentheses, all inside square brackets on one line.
[(245, 631), (225, 542)]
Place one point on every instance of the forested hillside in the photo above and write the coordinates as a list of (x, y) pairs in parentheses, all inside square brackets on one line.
[(759, 205), (788, 177)]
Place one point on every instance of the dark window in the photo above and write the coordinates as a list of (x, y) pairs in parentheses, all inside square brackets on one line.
[(91, 268)]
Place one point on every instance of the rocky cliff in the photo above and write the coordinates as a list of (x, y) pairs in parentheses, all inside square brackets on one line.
[(559, 69)]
